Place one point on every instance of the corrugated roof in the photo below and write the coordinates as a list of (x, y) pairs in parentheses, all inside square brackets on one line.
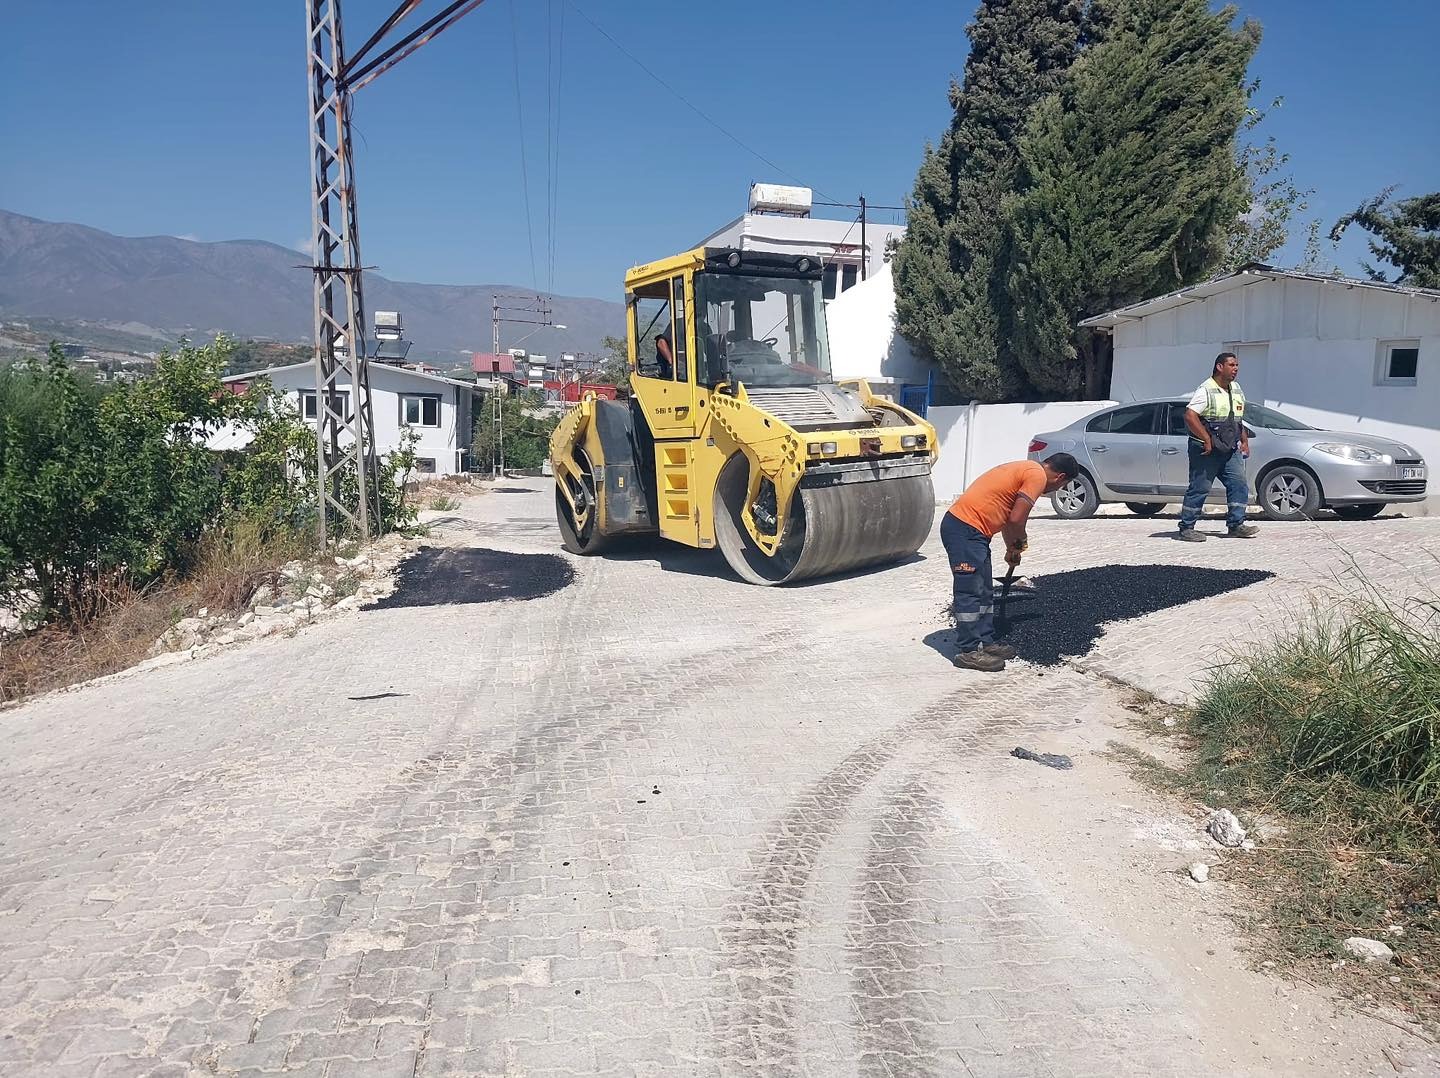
[(1246, 275)]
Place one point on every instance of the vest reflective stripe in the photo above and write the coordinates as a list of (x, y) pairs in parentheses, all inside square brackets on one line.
[(1217, 400)]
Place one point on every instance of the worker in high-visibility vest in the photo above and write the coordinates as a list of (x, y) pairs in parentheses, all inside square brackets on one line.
[(1219, 445)]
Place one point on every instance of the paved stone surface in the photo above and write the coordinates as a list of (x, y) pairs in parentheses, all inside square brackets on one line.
[(655, 823)]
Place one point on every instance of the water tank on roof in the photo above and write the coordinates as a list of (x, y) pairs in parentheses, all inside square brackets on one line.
[(777, 198)]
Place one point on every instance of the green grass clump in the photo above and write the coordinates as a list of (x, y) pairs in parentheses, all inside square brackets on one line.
[(1340, 716)]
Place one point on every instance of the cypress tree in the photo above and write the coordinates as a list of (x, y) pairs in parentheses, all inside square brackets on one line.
[(948, 297), (1129, 180)]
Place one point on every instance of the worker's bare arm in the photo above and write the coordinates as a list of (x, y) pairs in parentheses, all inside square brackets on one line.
[(1013, 530), (1197, 427)]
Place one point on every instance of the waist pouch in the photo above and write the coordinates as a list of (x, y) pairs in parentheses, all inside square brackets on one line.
[(1224, 434)]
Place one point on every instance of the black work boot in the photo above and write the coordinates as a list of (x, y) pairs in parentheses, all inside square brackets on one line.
[(979, 659), (1190, 535), (1243, 531), (1000, 651)]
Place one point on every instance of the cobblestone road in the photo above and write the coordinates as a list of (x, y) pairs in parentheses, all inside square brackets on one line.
[(656, 823)]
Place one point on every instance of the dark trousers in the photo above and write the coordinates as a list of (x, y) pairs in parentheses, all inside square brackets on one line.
[(1205, 468), (969, 554)]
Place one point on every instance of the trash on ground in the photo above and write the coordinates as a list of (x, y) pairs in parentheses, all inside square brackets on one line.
[(1049, 759)]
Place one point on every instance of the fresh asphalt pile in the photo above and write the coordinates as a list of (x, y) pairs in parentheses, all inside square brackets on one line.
[(1064, 615), (436, 576)]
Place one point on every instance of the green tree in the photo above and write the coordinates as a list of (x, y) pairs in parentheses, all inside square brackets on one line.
[(615, 367), (949, 302), (1406, 234), (1129, 179), (1275, 200), (525, 431)]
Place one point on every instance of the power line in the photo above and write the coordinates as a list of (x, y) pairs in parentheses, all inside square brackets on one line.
[(687, 102), (524, 168)]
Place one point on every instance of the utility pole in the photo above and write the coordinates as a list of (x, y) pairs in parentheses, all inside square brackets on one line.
[(864, 248), (521, 305), (342, 373)]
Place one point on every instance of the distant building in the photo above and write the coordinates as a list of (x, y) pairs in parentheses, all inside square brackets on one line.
[(438, 410)]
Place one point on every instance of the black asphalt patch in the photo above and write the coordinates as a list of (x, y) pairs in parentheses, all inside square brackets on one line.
[(1063, 617), (437, 576)]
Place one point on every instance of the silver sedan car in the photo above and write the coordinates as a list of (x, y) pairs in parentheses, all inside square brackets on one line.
[(1137, 454)]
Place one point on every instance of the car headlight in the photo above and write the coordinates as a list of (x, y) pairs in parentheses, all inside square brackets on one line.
[(1360, 453)]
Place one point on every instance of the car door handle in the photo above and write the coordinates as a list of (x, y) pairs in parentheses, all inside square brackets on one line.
[(1170, 452), (1099, 448)]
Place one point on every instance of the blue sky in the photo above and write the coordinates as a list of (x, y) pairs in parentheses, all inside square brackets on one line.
[(184, 118)]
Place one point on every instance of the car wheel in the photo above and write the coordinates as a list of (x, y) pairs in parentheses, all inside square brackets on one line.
[(1289, 492), (1077, 499), (1144, 509), (1364, 511)]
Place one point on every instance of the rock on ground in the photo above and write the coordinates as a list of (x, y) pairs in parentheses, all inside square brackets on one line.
[(1368, 949), (1224, 828)]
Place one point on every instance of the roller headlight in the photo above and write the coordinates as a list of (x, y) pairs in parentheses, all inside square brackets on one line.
[(912, 441)]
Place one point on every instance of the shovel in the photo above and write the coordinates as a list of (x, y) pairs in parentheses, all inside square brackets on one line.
[(1002, 624)]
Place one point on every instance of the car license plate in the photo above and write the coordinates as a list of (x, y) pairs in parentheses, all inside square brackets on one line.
[(1412, 473)]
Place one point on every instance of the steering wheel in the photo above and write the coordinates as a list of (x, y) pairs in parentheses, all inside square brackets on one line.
[(771, 341)]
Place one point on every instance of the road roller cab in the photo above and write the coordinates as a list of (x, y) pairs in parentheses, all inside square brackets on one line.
[(737, 435)]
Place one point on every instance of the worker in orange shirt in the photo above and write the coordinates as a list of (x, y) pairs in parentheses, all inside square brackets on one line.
[(998, 501)]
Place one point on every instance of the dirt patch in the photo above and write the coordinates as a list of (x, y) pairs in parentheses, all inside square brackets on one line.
[(442, 577), (1064, 615)]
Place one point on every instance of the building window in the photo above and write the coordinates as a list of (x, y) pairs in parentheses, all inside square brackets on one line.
[(339, 402), (425, 465), (847, 277), (831, 272), (419, 410), (1399, 363)]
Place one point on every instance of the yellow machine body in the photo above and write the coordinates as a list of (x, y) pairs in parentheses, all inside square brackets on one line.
[(741, 440)]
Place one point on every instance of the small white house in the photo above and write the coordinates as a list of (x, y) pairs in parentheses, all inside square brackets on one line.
[(439, 410), (1334, 352)]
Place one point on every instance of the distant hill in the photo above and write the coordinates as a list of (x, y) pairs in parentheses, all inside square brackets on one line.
[(247, 288)]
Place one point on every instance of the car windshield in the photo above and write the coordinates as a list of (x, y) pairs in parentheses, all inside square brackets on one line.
[(765, 331), (1257, 415)]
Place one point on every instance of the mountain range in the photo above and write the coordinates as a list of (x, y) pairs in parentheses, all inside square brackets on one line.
[(250, 289)]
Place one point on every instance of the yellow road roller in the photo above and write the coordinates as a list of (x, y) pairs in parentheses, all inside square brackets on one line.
[(737, 434)]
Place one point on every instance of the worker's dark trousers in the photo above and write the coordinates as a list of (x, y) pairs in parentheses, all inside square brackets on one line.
[(1205, 468), (969, 554)]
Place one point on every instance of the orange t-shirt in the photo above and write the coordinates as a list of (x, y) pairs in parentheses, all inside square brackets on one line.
[(987, 502)]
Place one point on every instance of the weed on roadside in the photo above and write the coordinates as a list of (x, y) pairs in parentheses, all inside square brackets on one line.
[(1329, 736)]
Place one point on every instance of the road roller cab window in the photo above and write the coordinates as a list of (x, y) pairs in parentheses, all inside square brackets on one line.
[(656, 352), (761, 331)]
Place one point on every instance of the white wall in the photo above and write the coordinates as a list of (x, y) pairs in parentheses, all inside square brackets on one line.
[(863, 340), (975, 438), (1321, 363)]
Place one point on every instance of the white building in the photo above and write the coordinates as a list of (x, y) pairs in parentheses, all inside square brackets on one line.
[(439, 410), (1334, 352), (864, 342), (779, 222)]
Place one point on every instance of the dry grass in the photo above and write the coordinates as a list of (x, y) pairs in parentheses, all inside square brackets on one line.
[(228, 567)]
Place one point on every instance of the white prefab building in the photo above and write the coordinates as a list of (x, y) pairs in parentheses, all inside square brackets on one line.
[(1334, 352), (439, 410)]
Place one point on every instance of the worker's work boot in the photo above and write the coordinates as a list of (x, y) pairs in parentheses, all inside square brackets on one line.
[(1190, 535), (1000, 651), (1243, 531), (979, 659)]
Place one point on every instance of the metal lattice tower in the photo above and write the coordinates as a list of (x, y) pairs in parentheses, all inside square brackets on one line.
[(342, 382)]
